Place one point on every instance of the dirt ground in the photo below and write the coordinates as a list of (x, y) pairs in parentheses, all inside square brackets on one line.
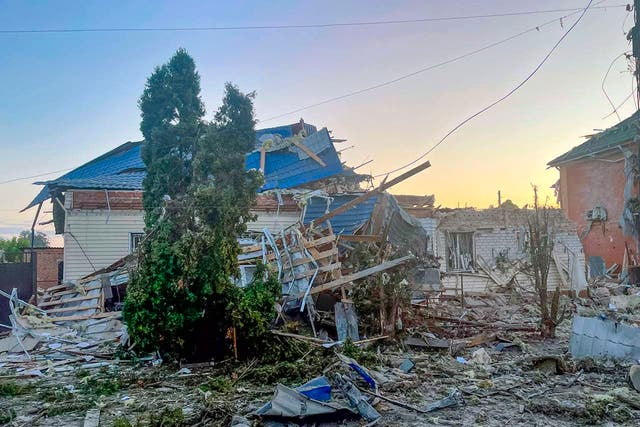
[(528, 383)]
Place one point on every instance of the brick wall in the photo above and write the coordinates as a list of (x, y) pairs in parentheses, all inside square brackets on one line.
[(97, 199), (597, 182), (47, 266)]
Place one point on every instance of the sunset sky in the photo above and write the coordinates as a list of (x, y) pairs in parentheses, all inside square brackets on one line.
[(69, 97)]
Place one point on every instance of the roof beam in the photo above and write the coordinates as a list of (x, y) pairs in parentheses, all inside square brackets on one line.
[(384, 186)]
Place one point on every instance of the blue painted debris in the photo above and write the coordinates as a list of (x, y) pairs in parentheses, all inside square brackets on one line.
[(317, 389), (359, 369), (356, 399), (461, 359), (406, 366), (501, 346), (290, 403)]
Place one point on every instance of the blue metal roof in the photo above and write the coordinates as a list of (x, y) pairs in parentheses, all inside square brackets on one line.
[(123, 169), (284, 168), (345, 223)]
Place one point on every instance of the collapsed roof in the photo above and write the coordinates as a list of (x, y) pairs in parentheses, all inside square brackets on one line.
[(293, 155)]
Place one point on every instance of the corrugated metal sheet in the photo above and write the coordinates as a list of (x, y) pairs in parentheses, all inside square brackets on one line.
[(124, 181), (345, 223), (123, 168), (284, 168), (596, 337), (405, 230)]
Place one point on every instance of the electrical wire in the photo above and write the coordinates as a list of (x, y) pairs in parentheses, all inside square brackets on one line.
[(633, 91), (389, 82), (499, 100), (296, 26), (423, 70), (604, 80), (34, 176)]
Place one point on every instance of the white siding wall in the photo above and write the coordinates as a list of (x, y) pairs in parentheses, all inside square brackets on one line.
[(275, 223), (104, 242), (103, 236)]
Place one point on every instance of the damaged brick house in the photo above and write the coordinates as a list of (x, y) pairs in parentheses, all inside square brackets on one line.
[(98, 206), (598, 190), (482, 250)]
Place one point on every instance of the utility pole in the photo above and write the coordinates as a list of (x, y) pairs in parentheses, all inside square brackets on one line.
[(634, 36), (500, 196)]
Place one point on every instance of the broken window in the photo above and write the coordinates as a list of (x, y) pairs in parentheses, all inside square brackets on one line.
[(134, 241), (430, 244), (460, 251)]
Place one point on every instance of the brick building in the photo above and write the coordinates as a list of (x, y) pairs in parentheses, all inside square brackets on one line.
[(598, 190), (49, 265)]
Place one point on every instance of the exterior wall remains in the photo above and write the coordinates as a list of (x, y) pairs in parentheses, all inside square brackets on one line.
[(100, 230), (95, 238), (501, 233), (47, 260), (590, 183)]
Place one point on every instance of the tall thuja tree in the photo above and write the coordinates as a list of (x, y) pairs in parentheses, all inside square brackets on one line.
[(159, 306), (172, 116), (222, 192)]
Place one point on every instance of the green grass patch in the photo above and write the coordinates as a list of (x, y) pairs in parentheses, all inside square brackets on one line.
[(11, 389)]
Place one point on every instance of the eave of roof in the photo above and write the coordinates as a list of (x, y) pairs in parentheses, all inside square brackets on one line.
[(622, 133), (123, 169)]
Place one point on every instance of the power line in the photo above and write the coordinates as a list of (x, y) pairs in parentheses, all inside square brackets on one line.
[(389, 82), (425, 69), (296, 26), (33, 176), (604, 80), (499, 100)]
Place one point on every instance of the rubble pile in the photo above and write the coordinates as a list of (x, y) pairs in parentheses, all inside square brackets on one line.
[(492, 371), (71, 327)]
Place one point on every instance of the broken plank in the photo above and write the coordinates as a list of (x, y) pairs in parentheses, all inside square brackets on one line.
[(299, 337), (308, 152), (73, 291), (113, 314), (372, 193), (65, 301), (263, 158), (254, 248), (360, 274), (76, 308), (92, 418), (321, 241), (58, 287), (317, 256)]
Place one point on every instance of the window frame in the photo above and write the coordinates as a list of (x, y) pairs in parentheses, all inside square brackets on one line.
[(132, 236), (450, 238)]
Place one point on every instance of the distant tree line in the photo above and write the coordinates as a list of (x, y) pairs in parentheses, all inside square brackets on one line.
[(11, 248)]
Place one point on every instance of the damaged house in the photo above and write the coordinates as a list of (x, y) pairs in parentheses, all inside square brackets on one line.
[(598, 191), (485, 250), (98, 206)]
